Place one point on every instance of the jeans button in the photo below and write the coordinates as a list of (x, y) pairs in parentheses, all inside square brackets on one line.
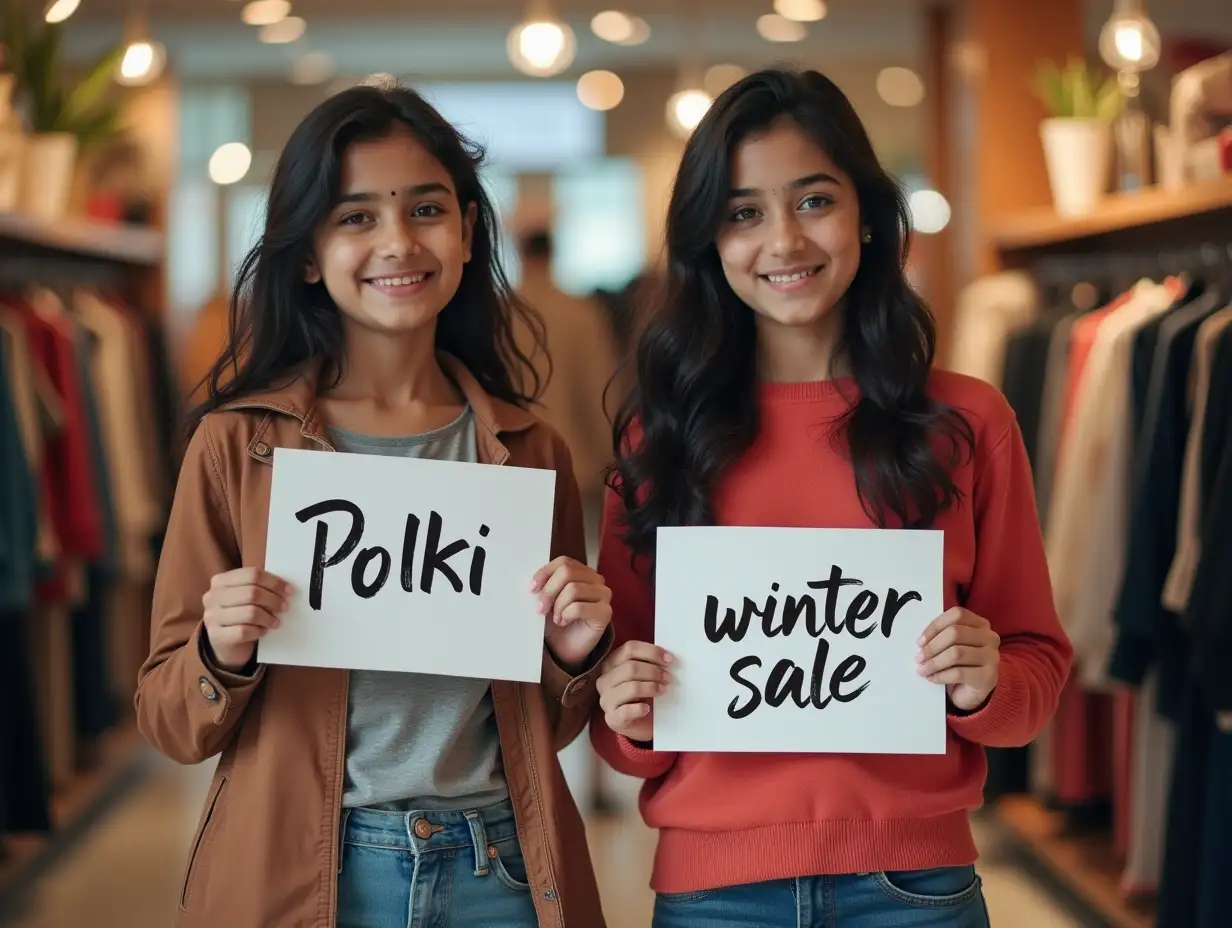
[(423, 828)]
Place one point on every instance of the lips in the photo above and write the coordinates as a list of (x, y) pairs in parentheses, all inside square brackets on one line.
[(403, 280), (791, 275)]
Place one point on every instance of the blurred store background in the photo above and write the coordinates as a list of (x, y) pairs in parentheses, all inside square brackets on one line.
[(1055, 152)]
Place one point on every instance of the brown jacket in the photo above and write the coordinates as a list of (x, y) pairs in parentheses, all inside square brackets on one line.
[(266, 850)]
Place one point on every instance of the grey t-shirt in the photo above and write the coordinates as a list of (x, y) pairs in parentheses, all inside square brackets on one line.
[(417, 740)]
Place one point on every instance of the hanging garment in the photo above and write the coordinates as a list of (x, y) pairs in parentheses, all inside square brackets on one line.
[(1154, 746), (987, 312), (1185, 562), (1209, 616), (1146, 632), (1091, 495), (1052, 403), (138, 513)]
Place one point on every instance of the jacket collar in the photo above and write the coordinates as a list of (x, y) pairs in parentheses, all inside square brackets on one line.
[(298, 399)]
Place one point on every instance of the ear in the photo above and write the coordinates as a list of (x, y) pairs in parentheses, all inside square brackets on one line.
[(312, 273), (468, 229)]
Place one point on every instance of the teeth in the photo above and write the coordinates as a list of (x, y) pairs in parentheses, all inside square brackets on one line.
[(788, 278), (399, 281)]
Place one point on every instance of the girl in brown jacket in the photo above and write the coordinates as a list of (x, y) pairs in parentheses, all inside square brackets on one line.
[(372, 316)]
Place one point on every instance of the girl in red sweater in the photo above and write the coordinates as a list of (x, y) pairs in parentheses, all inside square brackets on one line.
[(785, 379)]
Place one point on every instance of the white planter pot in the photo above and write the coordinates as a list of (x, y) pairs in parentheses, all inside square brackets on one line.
[(1078, 154), (47, 177)]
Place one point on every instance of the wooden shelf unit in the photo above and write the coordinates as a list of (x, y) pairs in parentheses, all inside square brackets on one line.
[(1151, 216), (1083, 863), (81, 238)]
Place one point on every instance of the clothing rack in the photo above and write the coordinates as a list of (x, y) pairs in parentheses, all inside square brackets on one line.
[(85, 773), (1082, 263)]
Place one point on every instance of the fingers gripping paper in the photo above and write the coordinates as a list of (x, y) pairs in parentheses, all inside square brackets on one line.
[(797, 640)]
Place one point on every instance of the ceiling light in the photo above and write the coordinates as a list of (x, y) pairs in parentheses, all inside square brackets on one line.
[(774, 28), (801, 11), (265, 12), (930, 212), (229, 163), (541, 47), (600, 90), (685, 109), (900, 87), (59, 10), (284, 31), (641, 32), (612, 26), (143, 62)]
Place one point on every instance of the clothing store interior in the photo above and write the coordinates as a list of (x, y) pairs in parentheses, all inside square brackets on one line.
[(1068, 168)]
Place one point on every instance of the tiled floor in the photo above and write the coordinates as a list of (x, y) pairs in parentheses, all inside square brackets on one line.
[(126, 873)]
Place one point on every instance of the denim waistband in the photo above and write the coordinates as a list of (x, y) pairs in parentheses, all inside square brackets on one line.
[(424, 832)]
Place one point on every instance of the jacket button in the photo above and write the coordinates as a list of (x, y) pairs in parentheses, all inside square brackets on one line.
[(423, 828), (208, 689), (262, 449)]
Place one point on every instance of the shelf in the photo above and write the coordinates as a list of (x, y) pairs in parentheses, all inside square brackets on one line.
[(125, 244), (1084, 864), (1118, 213), (73, 806)]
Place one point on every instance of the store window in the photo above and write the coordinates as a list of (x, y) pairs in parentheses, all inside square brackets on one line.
[(600, 226)]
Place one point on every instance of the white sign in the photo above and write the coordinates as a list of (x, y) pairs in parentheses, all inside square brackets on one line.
[(797, 640), (408, 564)]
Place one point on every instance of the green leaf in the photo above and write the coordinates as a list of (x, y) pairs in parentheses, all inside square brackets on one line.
[(99, 126), (97, 81)]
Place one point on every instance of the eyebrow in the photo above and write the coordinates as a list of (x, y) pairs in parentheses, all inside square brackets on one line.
[(821, 177), (416, 191)]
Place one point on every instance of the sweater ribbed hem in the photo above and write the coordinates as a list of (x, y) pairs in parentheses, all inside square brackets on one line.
[(691, 861)]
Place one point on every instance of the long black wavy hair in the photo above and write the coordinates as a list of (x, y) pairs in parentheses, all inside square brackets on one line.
[(694, 408), (279, 322)]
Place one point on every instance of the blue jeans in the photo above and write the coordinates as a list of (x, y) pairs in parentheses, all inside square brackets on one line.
[(945, 897), (433, 870)]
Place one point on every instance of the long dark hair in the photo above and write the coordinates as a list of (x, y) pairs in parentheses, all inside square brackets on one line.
[(279, 322), (694, 408)]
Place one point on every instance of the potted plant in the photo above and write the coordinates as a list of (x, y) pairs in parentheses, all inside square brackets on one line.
[(63, 118), (1077, 135)]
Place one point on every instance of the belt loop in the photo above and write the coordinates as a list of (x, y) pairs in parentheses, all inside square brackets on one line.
[(342, 827), (479, 838)]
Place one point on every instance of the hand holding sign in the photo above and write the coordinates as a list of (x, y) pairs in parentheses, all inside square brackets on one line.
[(632, 677), (960, 649), (578, 605), (241, 606)]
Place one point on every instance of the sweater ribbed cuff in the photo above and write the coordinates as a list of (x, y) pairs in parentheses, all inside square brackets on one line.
[(1000, 722)]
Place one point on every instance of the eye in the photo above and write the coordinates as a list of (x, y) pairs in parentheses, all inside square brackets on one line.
[(744, 214), (428, 211), (353, 219), (816, 201)]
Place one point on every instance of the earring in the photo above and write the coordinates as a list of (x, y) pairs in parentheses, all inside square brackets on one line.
[(866, 237)]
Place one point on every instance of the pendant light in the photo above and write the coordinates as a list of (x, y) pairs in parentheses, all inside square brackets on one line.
[(541, 45)]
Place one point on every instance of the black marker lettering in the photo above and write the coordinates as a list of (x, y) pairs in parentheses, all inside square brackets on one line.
[(831, 587), (893, 605), (860, 608), (477, 562), (735, 710), (435, 557), (409, 537), (320, 560), (368, 590)]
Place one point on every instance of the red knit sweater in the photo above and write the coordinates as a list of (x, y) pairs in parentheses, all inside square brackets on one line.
[(727, 819)]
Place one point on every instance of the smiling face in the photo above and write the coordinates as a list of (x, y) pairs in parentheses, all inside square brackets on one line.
[(392, 250), (790, 239)]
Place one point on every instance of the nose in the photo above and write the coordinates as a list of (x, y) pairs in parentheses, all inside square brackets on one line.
[(785, 233), (397, 239)]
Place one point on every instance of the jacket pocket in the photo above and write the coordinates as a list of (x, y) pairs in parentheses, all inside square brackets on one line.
[(207, 818)]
